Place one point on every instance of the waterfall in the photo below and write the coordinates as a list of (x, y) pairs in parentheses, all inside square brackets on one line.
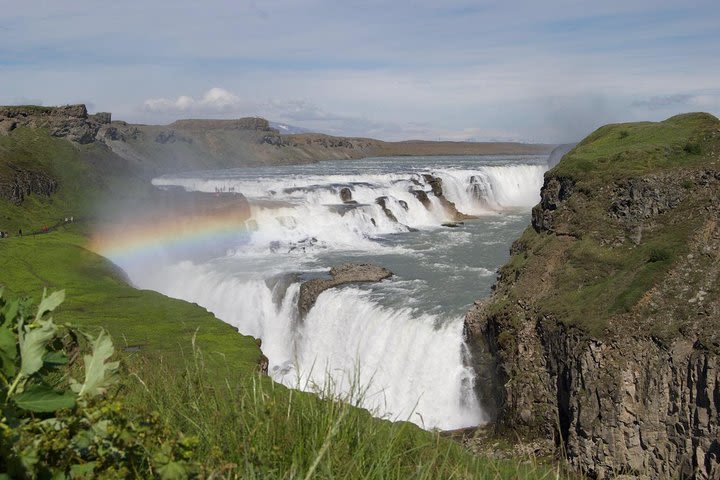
[(408, 361)]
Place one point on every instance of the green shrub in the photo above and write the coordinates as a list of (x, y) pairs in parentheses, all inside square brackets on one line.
[(624, 134), (54, 426)]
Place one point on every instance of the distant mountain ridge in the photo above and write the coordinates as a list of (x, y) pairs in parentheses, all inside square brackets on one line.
[(198, 144)]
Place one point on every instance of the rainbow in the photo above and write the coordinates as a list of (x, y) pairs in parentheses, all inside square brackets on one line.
[(144, 238)]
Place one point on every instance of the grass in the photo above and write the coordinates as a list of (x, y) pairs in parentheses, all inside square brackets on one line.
[(256, 429), (593, 278), (599, 281), (98, 295), (634, 149)]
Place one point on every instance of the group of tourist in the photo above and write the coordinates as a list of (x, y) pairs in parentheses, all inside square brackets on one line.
[(45, 228), (7, 234)]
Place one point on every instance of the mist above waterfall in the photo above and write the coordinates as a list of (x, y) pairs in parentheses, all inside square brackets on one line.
[(400, 339)]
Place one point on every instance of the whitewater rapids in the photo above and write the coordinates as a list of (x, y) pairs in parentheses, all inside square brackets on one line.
[(399, 341)]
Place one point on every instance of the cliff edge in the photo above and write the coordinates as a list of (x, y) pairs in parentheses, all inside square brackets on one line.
[(603, 331)]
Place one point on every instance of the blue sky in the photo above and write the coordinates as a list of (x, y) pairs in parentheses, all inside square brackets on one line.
[(546, 71)]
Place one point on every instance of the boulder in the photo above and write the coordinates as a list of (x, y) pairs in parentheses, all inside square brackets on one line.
[(382, 201), (435, 184), (346, 195), (339, 275)]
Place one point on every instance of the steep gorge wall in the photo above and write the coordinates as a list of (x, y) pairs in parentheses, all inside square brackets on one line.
[(628, 406), (627, 391), (20, 183)]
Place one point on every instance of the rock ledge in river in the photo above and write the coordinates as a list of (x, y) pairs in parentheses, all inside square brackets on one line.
[(339, 275)]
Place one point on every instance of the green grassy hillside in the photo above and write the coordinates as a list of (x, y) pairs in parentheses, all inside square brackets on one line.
[(86, 175), (623, 208), (98, 295), (632, 149)]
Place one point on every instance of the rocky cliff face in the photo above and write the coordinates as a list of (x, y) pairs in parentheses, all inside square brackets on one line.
[(70, 121), (22, 183), (603, 333)]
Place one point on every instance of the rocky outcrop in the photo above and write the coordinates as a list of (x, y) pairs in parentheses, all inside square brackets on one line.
[(637, 199), (435, 184), (346, 195), (628, 406), (247, 123), (382, 201), (21, 183), (422, 197), (103, 118), (71, 121), (171, 136), (553, 193), (339, 275)]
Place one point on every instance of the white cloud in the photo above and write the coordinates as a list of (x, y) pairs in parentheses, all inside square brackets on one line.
[(214, 101)]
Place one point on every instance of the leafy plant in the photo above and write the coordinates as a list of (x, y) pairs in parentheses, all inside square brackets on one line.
[(23, 354), (54, 426)]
